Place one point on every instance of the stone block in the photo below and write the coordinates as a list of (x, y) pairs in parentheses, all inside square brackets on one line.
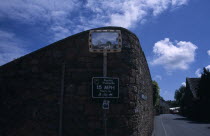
[(132, 80), (83, 90)]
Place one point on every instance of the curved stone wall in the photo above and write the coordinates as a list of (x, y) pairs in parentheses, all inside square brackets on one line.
[(31, 90)]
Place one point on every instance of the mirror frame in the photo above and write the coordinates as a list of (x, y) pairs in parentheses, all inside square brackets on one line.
[(119, 46)]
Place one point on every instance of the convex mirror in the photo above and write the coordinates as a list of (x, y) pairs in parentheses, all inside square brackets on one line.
[(105, 41)]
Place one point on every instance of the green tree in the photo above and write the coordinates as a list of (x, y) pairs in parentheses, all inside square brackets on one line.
[(204, 95), (180, 98), (172, 103), (204, 85), (179, 95), (156, 93), (108, 43)]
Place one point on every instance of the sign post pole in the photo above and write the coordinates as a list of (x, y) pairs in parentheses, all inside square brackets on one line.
[(105, 41), (105, 74), (105, 64)]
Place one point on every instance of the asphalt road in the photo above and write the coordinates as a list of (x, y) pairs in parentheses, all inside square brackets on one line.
[(175, 125)]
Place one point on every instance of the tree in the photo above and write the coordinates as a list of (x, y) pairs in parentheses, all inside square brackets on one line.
[(172, 103), (156, 93), (179, 95), (204, 85), (204, 95), (180, 98)]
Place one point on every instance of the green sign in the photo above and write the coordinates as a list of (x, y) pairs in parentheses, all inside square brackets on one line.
[(105, 87)]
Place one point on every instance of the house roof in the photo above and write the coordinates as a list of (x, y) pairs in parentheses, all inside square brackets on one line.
[(193, 85)]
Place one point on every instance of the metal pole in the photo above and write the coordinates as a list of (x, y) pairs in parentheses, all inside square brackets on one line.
[(105, 64), (61, 101), (105, 125), (105, 74)]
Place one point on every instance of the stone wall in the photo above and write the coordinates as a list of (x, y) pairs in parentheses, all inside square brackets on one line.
[(31, 91)]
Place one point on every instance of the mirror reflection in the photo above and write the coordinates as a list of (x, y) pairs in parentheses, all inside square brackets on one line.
[(105, 40)]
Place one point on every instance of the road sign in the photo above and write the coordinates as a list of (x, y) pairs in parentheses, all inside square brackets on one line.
[(105, 87), (105, 104)]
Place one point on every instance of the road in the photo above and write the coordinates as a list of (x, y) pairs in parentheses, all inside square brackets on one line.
[(175, 125)]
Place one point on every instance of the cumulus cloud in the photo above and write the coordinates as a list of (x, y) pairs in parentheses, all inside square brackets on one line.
[(65, 17), (208, 52), (10, 47), (37, 10), (198, 72), (184, 84), (173, 55), (179, 2), (208, 67)]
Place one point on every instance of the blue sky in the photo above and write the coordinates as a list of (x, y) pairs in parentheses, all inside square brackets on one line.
[(174, 34)]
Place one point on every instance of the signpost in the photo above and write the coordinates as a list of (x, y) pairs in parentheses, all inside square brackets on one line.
[(105, 87), (105, 41)]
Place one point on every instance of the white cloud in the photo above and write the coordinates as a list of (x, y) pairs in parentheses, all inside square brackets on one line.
[(208, 67), (131, 12), (59, 32), (179, 2), (198, 72), (158, 6), (30, 11), (184, 84), (177, 55), (10, 47), (50, 14), (73, 16), (158, 77), (208, 52)]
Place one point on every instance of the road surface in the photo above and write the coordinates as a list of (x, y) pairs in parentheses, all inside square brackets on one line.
[(175, 125)]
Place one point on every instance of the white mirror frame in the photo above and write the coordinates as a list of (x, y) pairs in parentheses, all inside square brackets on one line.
[(105, 50)]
